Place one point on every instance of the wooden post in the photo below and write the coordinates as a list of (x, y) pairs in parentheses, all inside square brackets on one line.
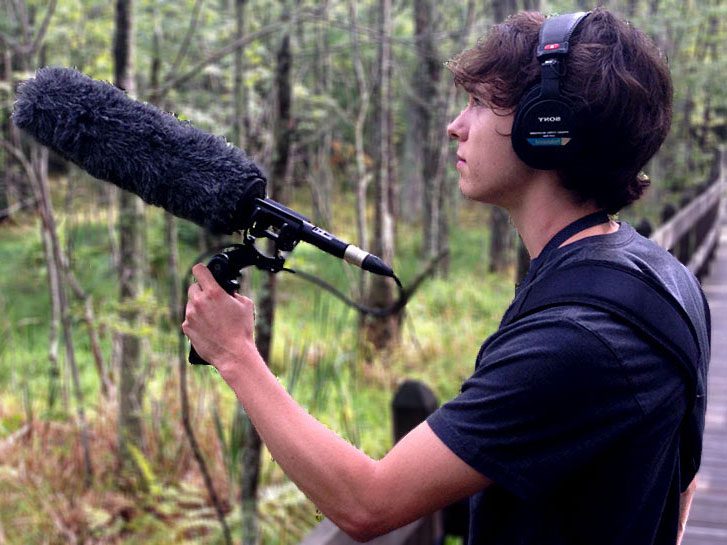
[(412, 404), (644, 228)]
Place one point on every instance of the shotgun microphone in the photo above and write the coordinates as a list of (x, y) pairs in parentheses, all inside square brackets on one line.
[(166, 162)]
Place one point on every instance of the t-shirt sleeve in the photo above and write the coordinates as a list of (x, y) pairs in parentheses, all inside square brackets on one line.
[(547, 396)]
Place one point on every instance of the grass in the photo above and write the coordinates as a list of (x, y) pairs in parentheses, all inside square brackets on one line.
[(315, 355)]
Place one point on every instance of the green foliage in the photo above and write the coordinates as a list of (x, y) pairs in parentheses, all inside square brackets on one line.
[(315, 350), (315, 354), (81, 37)]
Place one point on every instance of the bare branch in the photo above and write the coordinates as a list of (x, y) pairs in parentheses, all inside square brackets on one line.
[(22, 159), (193, 443), (90, 319), (169, 84), (428, 270), (27, 46), (10, 42), (193, 22), (43, 27), (21, 15), (375, 35)]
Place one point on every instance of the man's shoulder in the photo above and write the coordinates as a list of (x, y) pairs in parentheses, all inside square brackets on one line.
[(633, 252), (567, 331), (651, 263)]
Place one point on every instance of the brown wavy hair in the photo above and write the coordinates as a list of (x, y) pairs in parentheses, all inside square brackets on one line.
[(617, 80)]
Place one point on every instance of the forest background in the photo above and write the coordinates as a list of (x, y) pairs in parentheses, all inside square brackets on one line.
[(106, 434)]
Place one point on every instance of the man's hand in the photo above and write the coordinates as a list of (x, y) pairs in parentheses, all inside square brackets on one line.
[(220, 326)]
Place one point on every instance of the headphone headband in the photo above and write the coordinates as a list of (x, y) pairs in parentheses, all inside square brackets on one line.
[(555, 34)]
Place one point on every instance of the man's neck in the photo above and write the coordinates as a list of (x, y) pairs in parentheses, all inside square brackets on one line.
[(545, 209)]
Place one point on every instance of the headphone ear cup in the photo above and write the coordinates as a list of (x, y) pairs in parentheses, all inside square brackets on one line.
[(544, 133), (517, 135)]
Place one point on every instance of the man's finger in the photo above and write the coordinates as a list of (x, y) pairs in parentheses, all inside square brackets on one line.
[(193, 288), (246, 301), (204, 277)]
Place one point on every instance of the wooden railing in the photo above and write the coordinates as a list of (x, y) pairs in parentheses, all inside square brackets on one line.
[(691, 234)]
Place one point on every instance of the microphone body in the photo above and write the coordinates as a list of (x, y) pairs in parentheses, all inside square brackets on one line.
[(284, 220), (168, 163)]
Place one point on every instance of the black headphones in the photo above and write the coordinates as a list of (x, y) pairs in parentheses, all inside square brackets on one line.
[(545, 131)]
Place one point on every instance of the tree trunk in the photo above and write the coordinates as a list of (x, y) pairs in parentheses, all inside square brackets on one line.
[(523, 261), (500, 230), (15, 192), (687, 107), (13, 184), (500, 241), (412, 183), (176, 316), (426, 87), (249, 462), (240, 90), (130, 271), (283, 130), (19, 188), (501, 9), (382, 332), (6, 180), (322, 183), (250, 451), (362, 176), (523, 257), (444, 197), (55, 265)]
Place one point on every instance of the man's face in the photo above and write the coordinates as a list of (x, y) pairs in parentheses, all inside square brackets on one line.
[(490, 172)]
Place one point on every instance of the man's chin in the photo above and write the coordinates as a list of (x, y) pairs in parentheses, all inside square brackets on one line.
[(471, 194)]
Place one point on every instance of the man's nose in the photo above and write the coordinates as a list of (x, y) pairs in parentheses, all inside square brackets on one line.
[(456, 129)]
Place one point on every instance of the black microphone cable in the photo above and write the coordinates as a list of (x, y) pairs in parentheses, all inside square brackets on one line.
[(379, 312)]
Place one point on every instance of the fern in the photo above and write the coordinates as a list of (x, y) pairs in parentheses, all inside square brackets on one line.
[(151, 483)]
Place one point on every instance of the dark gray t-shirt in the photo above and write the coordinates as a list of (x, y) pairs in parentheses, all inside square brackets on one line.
[(575, 415)]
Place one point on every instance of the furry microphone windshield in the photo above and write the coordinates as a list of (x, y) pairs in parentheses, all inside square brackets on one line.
[(167, 162)]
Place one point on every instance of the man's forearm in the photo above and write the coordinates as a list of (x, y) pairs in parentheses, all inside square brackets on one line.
[(331, 472), (685, 504)]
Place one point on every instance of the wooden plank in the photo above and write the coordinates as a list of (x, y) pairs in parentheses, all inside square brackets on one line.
[(714, 447), (699, 535), (708, 518), (712, 503), (713, 485)]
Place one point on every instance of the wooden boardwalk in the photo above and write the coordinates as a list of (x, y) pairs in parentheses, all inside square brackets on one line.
[(708, 519)]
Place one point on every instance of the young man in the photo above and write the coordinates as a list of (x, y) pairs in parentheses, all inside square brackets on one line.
[(570, 429)]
